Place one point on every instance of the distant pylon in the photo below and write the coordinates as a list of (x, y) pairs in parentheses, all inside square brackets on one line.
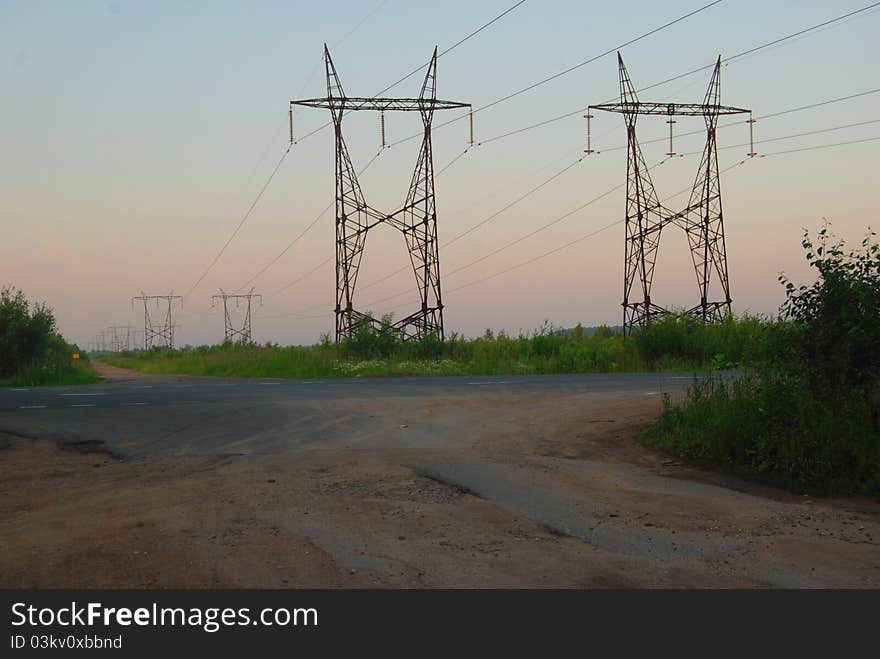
[(417, 219), (121, 337), (233, 333), (163, 332), (702, 219)]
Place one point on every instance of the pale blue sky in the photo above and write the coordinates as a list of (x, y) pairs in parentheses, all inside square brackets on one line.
[(135, 135)]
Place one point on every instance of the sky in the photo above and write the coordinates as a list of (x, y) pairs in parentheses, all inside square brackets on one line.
[(135, 137)]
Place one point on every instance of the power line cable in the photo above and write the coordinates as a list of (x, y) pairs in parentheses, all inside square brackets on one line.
[(570, 69), (304, 231), (576, 210), (277, 166), (240, 224), (420, 68), (820, 146), (726, 61), (617, 222), (663, 139)]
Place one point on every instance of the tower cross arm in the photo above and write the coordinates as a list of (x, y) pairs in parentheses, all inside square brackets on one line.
[(380, 104), (669, 109)]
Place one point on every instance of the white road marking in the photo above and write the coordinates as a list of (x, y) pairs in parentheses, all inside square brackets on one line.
[(84, 405), (268, 383), (32, 407), (142, 386), (93, 394), (492, 382), (24, 389), (228, 384), (137, 403), (652, 393)]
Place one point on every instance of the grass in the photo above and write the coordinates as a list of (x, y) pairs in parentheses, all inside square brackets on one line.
[(808, 414), (675, 343), (775, 426)]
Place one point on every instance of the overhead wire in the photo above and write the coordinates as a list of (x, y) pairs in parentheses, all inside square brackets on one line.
[(621, 221), (662, 139), (617, 222), (726, 61), (420, 68), (564, 72), (274, 170), (240, 224), (304, 231)]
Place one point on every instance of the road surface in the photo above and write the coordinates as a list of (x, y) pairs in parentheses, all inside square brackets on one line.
[(183, 415), (523, 481)]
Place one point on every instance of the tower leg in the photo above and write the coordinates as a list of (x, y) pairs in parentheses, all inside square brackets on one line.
[(420, 228), (351, 214), (644, 222), (704, 219)]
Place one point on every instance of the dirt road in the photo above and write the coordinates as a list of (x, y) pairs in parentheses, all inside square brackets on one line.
[(494, 488)]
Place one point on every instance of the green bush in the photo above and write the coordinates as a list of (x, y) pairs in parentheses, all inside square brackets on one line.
[(26, 332), (31, 351), (808, 412)]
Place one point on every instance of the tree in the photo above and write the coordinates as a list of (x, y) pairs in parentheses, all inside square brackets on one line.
[(838, 316), (27, 332)]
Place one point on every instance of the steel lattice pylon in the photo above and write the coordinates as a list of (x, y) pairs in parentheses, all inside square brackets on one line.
[(417, 219), (702, 219), (231, 332), (164, 333)]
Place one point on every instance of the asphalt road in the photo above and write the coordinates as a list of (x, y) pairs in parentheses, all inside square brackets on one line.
[(452, 481), (184, 415)]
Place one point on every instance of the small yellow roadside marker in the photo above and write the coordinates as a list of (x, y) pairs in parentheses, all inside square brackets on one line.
[(76, 355)]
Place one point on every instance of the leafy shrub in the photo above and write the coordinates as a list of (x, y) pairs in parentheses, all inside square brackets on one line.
[(808, 413), (26, 331), (31, 351)]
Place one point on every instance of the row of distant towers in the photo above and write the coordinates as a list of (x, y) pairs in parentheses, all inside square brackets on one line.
[(645, 218), (159, 326)]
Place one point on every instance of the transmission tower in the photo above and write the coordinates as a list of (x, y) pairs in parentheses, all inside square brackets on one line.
[(417, 219), (121, 337), (164, 332), (702, 219), (232, 333)]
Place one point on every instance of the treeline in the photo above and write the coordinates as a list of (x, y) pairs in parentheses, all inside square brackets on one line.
[(32, 352)]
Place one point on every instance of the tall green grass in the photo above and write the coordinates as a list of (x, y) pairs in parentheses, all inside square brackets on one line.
[(774, 427), (53, 374), (672, 343), (808, 413)]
